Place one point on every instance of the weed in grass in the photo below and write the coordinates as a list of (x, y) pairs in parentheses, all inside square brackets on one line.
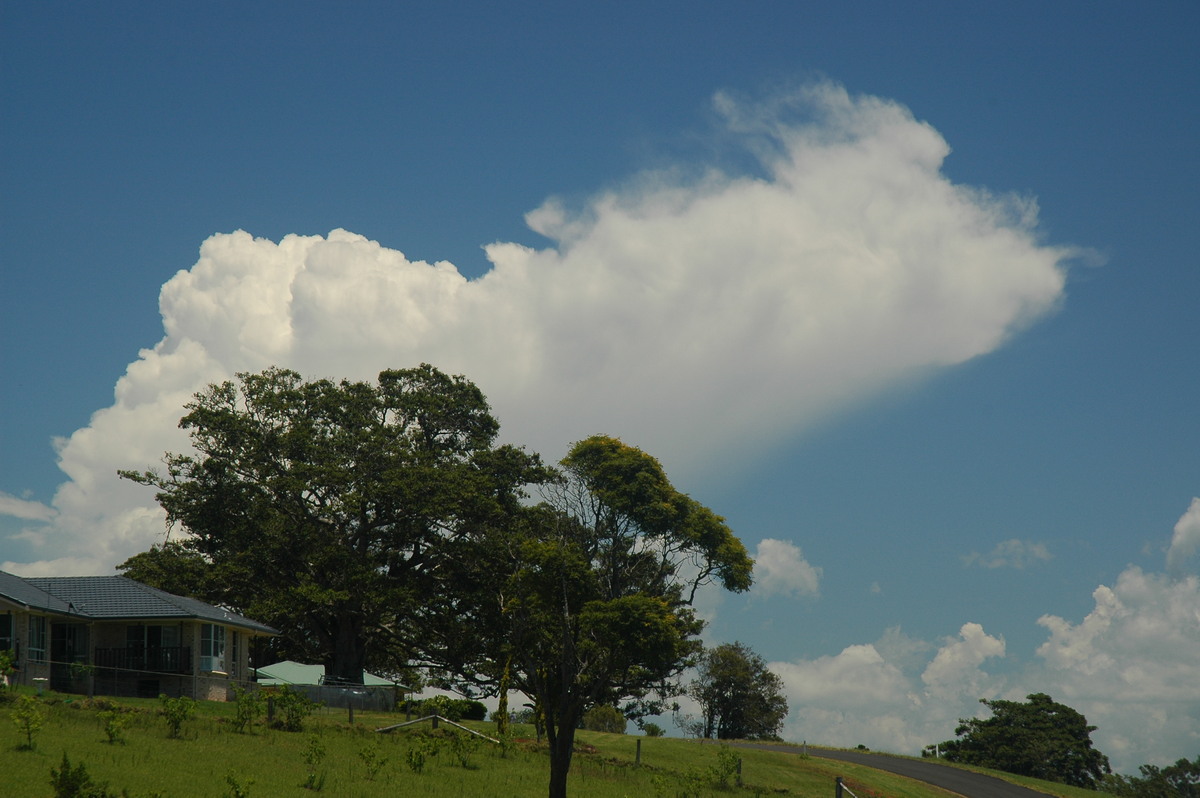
[(28, 715), (176, 711)]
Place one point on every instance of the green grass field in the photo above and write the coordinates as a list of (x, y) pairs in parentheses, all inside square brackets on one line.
[(333, 757)]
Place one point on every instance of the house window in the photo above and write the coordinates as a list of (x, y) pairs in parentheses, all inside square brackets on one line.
[(234, 663), (152, 637), (212, 647), (37, 638), (6, 631)]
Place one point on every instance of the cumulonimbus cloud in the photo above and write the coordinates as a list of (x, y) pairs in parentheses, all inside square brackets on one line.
[(703, 320)]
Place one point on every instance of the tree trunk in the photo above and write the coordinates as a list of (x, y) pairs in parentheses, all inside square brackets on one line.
[(562, 746), (349, 653)]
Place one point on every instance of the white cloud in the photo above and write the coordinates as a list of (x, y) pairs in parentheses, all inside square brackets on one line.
[(24, 509), (1131, 667), (780, 568), (955, 668), (1012, 553), (871, 695), (703, 321), (1186, 539)]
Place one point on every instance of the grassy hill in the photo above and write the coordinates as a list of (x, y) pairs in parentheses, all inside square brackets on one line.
[(333, 757)]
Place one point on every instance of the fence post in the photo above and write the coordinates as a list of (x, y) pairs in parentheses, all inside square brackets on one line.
[(351, 706), (838, 794), (270, 709), (739, 772), (637, 758)]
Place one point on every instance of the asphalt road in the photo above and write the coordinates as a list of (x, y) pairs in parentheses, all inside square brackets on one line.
[(963, 782)]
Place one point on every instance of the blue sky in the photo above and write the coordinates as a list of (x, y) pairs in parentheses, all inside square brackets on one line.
[(790, 249)]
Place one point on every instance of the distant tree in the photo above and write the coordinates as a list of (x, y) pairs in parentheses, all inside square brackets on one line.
[(588, 601), (323, 508), (1038, 738), (1180, 780), (172, 567), (603, 718), (739, 697)]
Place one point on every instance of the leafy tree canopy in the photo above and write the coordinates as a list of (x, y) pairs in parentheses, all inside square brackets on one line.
[(1038, 738), (322, 507), (587, 601), (739, 697)]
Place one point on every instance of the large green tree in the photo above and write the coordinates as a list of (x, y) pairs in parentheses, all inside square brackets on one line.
[(1039, 738), (588, 601), (324, 508), (739, 697)]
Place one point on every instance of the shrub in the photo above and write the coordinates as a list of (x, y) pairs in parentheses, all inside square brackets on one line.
[(8, 665), (313, 756), (74, 782), (420, 749), (114, 722), (294, 708), (373, 759), (248, 707), (604, 718), (462, 746), (653, 730), (236, 788), (728, 766), (176, 711), (28, 715)]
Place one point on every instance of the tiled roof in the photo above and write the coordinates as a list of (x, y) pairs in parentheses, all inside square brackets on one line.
[(116, 598), (20, 591)]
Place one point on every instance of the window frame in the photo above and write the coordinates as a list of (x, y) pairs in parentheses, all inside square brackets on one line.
[(37, 635)]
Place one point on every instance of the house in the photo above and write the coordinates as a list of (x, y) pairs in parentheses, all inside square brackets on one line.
[(114, 636)]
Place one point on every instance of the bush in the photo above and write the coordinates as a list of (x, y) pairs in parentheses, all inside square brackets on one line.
[(653, 730), (28, 715), (74, 782), (248, 707), (176, 711), (604, 719), (114, 722), (294, 708)]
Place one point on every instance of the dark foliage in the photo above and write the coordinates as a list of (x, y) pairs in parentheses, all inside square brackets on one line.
[(1038, 738), (739, 697)]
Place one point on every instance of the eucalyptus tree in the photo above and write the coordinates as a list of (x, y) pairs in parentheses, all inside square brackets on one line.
[(325, 508), (587, 600)]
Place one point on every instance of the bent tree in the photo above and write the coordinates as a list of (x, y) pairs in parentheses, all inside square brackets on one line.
[(322, 508), (587, 600), (1040, 738)]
